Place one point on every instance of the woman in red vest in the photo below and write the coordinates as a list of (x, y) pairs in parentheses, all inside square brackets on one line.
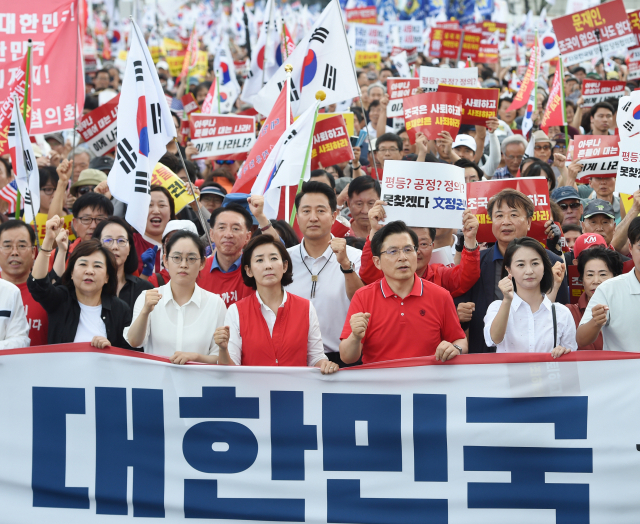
[(270, 327)]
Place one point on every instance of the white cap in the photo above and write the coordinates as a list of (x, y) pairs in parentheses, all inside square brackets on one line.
[(465, 140), (162, 65), (178, 225)]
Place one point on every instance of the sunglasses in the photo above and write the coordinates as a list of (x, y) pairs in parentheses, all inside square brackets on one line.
[(575, 205), (83, 190), (223, 162)]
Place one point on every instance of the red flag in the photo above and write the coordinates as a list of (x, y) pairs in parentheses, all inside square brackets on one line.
[(191, 58), (271, 131), (554, 113), (289, 46), (528, 82), (17, 86)]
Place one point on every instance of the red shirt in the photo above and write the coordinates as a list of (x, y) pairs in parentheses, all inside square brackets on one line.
[(457, 279), (36, 316), (406, 327), (229, 286), (577, 310), (141, 246), (153, 279)]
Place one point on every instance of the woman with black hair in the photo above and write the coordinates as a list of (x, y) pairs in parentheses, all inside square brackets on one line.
[(179, 315), (85, 307), (162, 209), (117, 236), (537, 167), (525, 320)]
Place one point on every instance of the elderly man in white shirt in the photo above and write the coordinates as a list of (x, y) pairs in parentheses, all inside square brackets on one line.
[(14, 328), (325, 269)]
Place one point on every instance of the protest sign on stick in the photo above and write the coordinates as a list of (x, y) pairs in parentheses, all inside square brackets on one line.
[(628, 174), (598, 155), (330, 143), (397, 89), (163, 176), (432, 113), (478, 104), (596, 91), (219, 136), (431, 77), (99, 128)]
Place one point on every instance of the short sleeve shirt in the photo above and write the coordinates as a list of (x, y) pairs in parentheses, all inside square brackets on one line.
[(406, 327)]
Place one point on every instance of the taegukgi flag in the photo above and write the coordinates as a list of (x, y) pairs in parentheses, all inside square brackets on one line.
[(225, 85), (321, 61), (145, 127), (24, 163)]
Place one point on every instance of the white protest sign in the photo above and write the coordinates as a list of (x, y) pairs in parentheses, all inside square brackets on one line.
[(221, 135), (598, 155), (367, 37), (424, 196), (397, 89), (431, 77), (405, 34), (628, 178)]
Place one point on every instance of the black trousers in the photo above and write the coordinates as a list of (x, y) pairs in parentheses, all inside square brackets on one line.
[(334, 357)]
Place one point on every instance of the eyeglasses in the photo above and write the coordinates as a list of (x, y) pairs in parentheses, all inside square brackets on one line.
[(48, 190), (511, 158), (424, 245), (223, 162), (83, 190), (177, 259), (8, 248), (121, 242), (394, 251), (542, 148), (86, 221), (575, 205), (390, 150)]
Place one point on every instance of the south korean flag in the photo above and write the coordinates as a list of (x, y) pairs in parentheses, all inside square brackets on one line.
[(24, 163), (145, 127), (628, 116)]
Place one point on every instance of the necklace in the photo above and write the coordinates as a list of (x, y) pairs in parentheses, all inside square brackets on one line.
[(314, 278)]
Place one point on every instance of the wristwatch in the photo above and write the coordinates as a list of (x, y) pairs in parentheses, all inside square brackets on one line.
[(457, 347), (351, 269)]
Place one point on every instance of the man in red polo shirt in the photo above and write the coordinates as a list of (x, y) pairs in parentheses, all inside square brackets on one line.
[(401, 315)]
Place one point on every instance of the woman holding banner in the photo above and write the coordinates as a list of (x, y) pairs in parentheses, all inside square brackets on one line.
[(525, 320), (270, 327)]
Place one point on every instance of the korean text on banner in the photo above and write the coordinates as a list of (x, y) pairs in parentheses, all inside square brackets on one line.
[(424, 202), (364, 58), (445, 43), (405, 34), (41, 226), (628, 179), (488, 29), (432, 113), (348, 120), (598, 155), (362, 15), (478, 104), (166, 178), (431, 77), (52, 25), (397, 89), (221, 135), (189, 103), (634, 22), (330, 143), (536, 188), (366, 37), (595, 91), (99, 128), (576, 32)]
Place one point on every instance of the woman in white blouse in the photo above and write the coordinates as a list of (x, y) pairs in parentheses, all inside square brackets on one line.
[(179, 315), (523, 322)]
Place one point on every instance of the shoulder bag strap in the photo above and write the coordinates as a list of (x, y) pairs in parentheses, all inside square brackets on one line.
[(555, 326)]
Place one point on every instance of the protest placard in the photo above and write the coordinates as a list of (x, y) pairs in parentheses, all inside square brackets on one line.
[(364, 58), (367, 37), (218, 136), (431, 77), (98, 128), (536, 188), (598, 155), (330, 143), (444, 43), (362, 15), (166, 178), (576, 33), (348, 120), (575, 284), (432, 113), (478, 104), (41, 226), (448, 24), (397, 89), (595, 91), (488, 53), (189, 103), (633, 63), (634, 22), (412, 54), (488, 29), (433, 198), (628, 175), (405, 34)]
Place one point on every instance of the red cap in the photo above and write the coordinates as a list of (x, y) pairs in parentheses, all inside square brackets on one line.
[(587, 240)]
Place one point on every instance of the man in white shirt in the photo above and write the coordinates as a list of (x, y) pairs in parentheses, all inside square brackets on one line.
[(615, 305), (325, 269), (14, 328)]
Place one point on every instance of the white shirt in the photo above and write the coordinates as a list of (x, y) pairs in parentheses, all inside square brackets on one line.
[(14, 328), (622, 295), (189, 327), (315, 350), (373, 132), (331, 301), (529, 332), (90, 324)]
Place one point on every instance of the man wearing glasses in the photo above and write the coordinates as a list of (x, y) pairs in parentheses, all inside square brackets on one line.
[(388, 147), (543, 146), (568, 199), (401, 315), (87, 182), (513, 148)]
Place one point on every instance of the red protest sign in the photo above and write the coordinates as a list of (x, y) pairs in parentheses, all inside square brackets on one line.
[(575, 284), (634, 22), (478, 104), (488, 54), (598, 155), (330, 143), (470, 45), (576, 36), (536, 188), (595, 91), (633, 63), (99, 128), (223, 137), (189, 103), (432, 113), (488, 29), (444, 43), (412, 53), (397, 89), (362, 15), (52, 25), (450, 24)]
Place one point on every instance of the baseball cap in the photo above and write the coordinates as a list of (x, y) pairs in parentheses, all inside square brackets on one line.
[(587, 240), (162, 65), (213, 190), (179, 225), (599, 207), (564, 193), (465, 140), (101, 163), (88, 177)]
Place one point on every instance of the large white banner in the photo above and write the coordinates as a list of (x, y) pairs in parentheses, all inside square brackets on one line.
[(99, 437)]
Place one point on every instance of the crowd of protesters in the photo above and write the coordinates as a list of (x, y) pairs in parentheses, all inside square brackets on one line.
[(346, 286)]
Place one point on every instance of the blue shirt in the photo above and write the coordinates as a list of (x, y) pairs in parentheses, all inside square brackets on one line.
[(501, 173), (232, 267)]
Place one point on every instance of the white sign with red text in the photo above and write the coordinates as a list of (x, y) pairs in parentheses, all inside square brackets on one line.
[(431, 77), (219, 135), (598, 155), (99, 128), (397, 89)]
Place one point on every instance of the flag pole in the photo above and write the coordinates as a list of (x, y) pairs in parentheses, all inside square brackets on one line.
[(564, 106), (353, 67), (320, 96), (287, 104), (203, 222), (24, 115), (19, 137)]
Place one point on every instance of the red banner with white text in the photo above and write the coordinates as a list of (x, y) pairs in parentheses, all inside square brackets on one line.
[(478, 104), (330, 143), (432, 113)]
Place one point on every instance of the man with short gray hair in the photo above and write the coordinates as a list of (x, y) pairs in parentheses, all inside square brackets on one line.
[(513, 148), (376, 91)]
